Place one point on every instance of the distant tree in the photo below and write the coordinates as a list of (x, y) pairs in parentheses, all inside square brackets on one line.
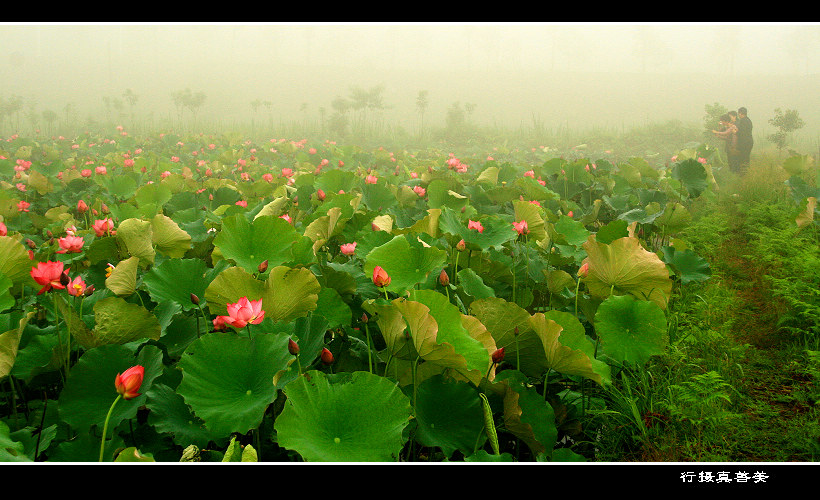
[(132, 99), (455, 119), (185, 99), (712, 118), (786, 123), (421, 107), (50, 117)]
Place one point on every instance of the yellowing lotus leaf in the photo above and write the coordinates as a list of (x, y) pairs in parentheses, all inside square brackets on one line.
[(625, 267)]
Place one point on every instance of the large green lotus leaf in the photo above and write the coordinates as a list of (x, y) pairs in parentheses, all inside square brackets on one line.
[(156, 194), (692, 175), (613, 230), (797, 164), (119, 186), (427, 225), (226, 379), (452, 331), (9, 342), (6, 298), (176, 279), (290, 293), (440, 193), (333, 308), (349, 417), (674, 218), (508, 323), (249, 244), (630, 330), (560, 357), (567, 230), (14, 261), (531, 213), (169, 414), (136, 236), (120, 322), (123, 279), (377, 197), (11, 450), (169, 238), (527, 415), (449, 415), (625, 265), (229, 286), (573, 335), (496, 232), (473, 285), (406, 260), (324, 228), (79, 330), (89, 391), (688, 264), (333, 181)]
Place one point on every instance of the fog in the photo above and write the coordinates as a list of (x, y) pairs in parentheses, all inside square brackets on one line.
[(562, 75)]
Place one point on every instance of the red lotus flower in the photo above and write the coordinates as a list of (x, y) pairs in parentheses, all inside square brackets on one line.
[(48, 274), (70, 244), (461, 246), (521, 227), (244, 312), (219, 323), (472, 224), (320, 195), (129, 382), (371, 179), (23, 205), (443, 278), (420, 191), (82, 207), (380, 277), (498, 356), (348, 248), (3, 229), (76, 287), (583, 270), (327, 356)]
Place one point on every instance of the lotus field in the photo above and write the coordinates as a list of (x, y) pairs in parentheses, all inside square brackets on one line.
[(209, 298)]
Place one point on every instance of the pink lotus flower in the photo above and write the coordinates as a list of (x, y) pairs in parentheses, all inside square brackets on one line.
[(461, 246), (583, 270), (521, 227), (380, 277), (23, 205), (77, 287), (242, 203), (287, 172), (3, 229), (286, 217), (530, 173), (702, 160), (443, 278), (371, 179), (70, 244), (48, 274), (472, 224), (420, 191), (268, 177), (129, 382), (244, 312), (219, 323), (101, 170), (86, 172), (82, 207), (103, 226), (348, 248), (128, 162), (320, 195)]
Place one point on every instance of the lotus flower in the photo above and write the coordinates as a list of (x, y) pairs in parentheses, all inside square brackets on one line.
[(498, 356), (348, 248), (443, 278), (77, 287), (521, 227), (48, 274), (103, 226), (82, 207), (583, 270), (380, 277), (244, 312), (23, 205), (327, 356), (70, 244), (129, 382), (472, 224)]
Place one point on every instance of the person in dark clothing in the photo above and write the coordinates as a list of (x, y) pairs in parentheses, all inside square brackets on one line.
[(745, 142)]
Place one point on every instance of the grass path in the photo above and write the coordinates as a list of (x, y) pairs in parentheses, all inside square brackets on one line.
[(778, 420)]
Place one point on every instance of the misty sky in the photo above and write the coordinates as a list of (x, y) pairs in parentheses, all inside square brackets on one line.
[(486, 63)]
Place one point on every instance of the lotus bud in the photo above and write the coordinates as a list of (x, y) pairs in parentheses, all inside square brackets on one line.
[(194, 299), (293, 347), (498, 356), (327, 356), (263, 266)]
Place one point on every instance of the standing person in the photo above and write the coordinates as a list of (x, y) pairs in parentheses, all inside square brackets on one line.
[(729, 134), (745, 142)]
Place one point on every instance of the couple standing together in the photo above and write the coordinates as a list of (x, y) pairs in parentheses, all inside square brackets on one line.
[(737, 132)]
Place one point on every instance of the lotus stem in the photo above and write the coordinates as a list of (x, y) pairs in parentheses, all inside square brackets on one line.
[(105, 427)]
